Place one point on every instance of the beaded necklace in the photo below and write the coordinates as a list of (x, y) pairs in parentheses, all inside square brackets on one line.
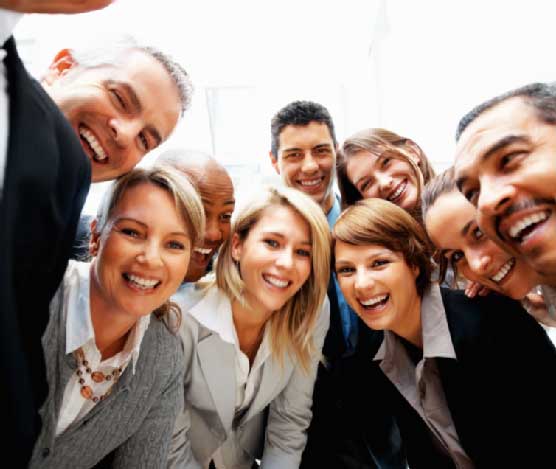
[(84, 370)]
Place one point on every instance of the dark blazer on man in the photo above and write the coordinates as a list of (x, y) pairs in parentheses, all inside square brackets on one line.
[(500, 390), (46, 182)]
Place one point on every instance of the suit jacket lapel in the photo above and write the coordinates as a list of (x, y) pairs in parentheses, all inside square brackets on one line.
[(217, 362), (271, 375)]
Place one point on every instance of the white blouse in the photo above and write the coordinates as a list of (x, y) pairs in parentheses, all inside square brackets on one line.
[(80, 334)]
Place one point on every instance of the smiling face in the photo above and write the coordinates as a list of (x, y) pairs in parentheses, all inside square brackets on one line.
[(387, 177), (217, 195), (274, 258), (506, 167), (379, 285), (452, 227), (142, 253), (306, 160), (119, 112)]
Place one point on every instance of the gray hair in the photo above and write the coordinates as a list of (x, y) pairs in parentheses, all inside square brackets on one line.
[(110, 51)]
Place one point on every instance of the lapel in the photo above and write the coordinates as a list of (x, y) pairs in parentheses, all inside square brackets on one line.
[(217, 362), (271, 375)]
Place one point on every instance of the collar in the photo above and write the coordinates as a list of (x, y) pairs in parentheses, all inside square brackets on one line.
[(334, 211), (214, 311), (437, 340), (8, 22), (79, 327)]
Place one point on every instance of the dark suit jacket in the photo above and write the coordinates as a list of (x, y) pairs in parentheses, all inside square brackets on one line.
[(500, 390), (46, 182), (353, 426)]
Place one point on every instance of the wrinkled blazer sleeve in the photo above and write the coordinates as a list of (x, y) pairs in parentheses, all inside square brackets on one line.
[(148, 447), (290, 412), (181, 454)]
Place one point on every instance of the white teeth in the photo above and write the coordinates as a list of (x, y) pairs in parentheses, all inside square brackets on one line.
[(501, 274), (142, 282), (312, 182), (396, 194), (373, 301), (202, 251), (100, 155), (276, 282), (526, 222)]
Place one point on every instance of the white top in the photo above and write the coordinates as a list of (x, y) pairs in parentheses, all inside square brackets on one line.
[(80, 333), (8, 21), (248, 379)]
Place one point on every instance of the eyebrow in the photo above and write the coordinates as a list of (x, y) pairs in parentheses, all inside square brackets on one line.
[(144, 225), (493, 149), (227, 202), (322, 145), (281, 235)]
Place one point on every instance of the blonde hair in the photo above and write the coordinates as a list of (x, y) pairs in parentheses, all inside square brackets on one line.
[(382, 223), (378, 141), (292, 326), (187, 202)]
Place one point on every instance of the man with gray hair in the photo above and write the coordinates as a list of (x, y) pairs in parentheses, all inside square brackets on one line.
[(97, 113)]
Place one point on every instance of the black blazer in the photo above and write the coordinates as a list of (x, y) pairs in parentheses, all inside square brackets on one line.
[(353, 426), (46, 182), (500, 391)]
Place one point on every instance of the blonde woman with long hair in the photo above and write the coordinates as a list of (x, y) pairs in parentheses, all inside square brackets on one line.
[(253, 339)]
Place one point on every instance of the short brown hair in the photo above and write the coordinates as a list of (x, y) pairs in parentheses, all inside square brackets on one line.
[(379, 222)]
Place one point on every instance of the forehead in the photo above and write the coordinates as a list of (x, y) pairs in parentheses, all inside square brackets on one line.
[(304, 136), (359, 252), (285, 220), (215, 186), (513, 116), (140, 201), (446, 218)]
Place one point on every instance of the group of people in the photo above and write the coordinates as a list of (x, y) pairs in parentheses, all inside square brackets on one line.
[(398, 322)]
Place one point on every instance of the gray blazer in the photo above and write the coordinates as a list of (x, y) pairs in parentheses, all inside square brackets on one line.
[(278, 436), (134, 422)]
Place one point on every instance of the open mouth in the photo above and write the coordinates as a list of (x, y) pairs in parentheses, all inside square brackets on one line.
[(140, 283), (276, 282), (202, 255), (398, 191), (375, 302), (522, 229), (311, 184), (91, 143), (503, 271)]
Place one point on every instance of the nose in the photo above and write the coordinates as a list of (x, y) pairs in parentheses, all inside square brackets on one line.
[(495, 197), (479, 262), (384, 182), (309, 164), (124, 130), (150, 255), (285, 259), (363, 281), (213, 233)]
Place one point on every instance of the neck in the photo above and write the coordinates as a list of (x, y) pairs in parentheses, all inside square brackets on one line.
[(411, 329), (249, 324), (111, 329), (328, 202)]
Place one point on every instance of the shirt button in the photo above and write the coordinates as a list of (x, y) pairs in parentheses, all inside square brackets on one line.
[(45, 452)]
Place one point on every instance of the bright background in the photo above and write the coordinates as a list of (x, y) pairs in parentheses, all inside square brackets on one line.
[(414, 67)]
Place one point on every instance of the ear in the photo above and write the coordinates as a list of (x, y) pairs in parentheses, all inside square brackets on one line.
[(414, 151), (62, 63), (416, 271), (237, 247), (94, 240), (274, 162)]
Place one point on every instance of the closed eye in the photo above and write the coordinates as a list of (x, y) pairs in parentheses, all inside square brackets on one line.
[(143, 141), (118, 98)]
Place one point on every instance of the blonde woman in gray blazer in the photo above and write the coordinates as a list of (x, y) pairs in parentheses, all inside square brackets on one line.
[(114, 368), (253, 338)]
